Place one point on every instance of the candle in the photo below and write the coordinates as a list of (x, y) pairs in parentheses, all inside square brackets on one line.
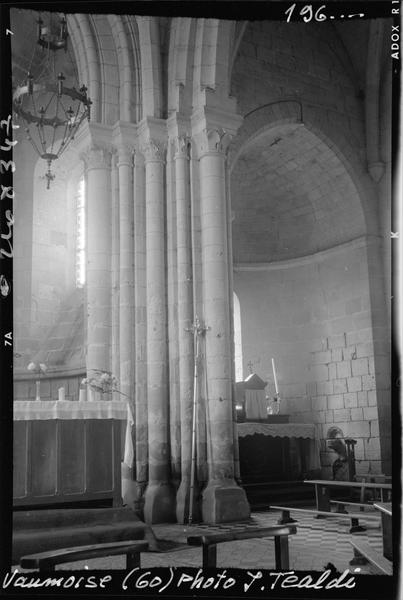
[(274, 374), (82, 397), (62, 394)]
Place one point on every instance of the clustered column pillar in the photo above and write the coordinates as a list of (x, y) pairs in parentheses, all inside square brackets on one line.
[(126, 270), (98, 175), (140, 296), (185, 320), (159, 498), (223, 500)]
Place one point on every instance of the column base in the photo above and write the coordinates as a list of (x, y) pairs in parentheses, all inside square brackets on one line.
[(224, 501), (159, 503), (183, 503), (132, 491)]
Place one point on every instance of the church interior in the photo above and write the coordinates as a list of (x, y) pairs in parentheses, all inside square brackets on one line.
[(201, 278)]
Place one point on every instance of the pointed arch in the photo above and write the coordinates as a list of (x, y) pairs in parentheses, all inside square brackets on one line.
[(151, 75)]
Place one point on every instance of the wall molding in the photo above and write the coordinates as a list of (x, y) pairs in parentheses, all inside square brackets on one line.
[(360, 242)]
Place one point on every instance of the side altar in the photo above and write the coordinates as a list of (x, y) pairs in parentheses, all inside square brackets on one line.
[(67, 451), (270, 447)]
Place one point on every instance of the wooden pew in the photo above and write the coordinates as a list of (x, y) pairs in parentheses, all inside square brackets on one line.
[(372, 478), (322, 492), (364, 553), (47, 561), (355, 526), (209, 543), (385, 509), (341, 504)]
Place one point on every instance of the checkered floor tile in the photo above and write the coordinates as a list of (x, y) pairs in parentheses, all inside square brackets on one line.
[(316, 543)]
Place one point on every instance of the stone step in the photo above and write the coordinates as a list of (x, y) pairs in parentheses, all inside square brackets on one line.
[(63, 517)]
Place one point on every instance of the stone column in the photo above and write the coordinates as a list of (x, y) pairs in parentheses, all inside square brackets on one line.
[(185, 320), (159, 498), (126, 270), (140, 298), (230, 219), (223, 500), (173, 344), (98, 174), (115, 275)]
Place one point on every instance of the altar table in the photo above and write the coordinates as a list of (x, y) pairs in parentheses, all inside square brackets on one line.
[(67, 451), (277, 451)]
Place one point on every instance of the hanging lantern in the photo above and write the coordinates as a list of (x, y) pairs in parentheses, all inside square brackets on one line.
[(51, 111)]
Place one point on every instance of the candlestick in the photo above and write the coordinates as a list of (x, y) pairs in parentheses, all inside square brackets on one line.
[(82, 396), (38, 390), (62, 394), (274, 374)]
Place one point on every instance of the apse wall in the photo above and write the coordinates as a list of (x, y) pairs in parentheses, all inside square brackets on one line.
[(312, 315)]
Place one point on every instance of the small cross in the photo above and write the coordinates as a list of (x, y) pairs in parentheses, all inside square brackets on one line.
[(250, 365), (197, 328)]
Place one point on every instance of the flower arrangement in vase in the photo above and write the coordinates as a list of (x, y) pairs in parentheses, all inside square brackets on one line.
[(102, 382)]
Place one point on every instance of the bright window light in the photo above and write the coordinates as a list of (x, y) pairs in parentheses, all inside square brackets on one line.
[(80, 235)]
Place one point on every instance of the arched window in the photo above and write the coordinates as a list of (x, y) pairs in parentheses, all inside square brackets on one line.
[(80, 235), (238, 340)]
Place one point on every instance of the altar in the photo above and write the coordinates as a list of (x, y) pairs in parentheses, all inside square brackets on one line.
[(277, 451), (67, 451)]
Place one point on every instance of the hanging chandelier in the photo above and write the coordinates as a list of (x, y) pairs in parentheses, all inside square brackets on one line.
[(51, 111)]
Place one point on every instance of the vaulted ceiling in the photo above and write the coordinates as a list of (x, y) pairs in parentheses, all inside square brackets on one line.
[(291, 196)]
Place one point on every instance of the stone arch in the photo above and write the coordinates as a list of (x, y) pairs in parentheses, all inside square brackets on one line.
[(88, 60), (151, 70), (212, 61), (125, 66), (292, 110), (180, 63), (110, 71)]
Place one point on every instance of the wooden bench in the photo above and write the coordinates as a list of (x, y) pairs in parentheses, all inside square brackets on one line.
[(322, 492), (385, 509), (372, 478), (341, 504), (209, 543), (355, 526), (47, 561), (364, 553)]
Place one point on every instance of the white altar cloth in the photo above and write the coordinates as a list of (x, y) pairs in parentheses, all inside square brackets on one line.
[(289, 430), (33, 410), (304, 430)]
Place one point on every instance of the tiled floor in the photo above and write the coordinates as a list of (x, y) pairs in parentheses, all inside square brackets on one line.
[(316, 543)]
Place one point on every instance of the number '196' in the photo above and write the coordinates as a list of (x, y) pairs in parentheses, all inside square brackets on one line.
[(307, 13)]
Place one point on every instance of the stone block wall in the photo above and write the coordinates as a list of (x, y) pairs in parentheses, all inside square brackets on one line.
[(332, 367), (287, 60), (347, 399)]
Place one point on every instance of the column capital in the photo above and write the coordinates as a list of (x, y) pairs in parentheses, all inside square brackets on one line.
[(124, 139), (153, 139), (97, 157), (181, 146), (124, 155), (213, 130), (153, 150), (214, 141)]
